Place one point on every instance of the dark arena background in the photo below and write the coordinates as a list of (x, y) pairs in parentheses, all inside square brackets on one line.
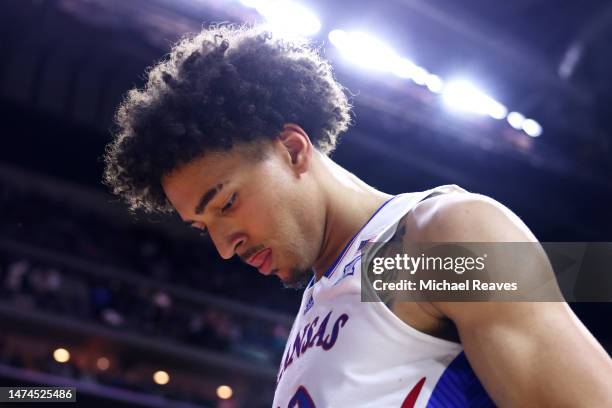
[(508, 99)]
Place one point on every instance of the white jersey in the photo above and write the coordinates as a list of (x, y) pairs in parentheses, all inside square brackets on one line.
[(345, 353)]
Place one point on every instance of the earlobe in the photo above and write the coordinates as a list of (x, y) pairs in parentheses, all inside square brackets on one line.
[(298, 146)]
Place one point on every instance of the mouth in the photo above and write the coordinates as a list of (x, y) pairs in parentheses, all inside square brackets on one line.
[(262, 260)]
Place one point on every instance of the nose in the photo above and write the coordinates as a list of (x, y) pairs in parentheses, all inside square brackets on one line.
[(227, 244)]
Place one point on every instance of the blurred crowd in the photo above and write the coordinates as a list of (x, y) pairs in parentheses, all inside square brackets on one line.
[(31, 285), (56, 283), (57, 224)]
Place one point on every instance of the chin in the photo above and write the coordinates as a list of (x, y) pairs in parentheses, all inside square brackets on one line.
[(294, 278)]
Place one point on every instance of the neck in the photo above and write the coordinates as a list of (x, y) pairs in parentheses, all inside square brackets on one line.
[(350, 203)]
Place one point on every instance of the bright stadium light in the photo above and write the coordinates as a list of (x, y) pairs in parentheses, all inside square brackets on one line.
[(420, 76), (498, 111), (532, 128), (286, 17), (103, 363), (224, 392), (434, 83), (464, 96), (339, 38), (61, 355), (404, 68), (459, 95), (516, 120), (364, 50), (161, 377), (369, 52)]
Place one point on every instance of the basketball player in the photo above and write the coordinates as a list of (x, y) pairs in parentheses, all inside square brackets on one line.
[(233, 131)]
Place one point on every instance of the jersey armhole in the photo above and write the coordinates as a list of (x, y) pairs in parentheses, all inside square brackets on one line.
[(369, 294)]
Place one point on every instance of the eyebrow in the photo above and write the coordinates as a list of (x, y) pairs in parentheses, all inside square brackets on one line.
[(207, 197)]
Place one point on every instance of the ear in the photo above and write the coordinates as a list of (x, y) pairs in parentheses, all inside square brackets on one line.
[(298, 146)]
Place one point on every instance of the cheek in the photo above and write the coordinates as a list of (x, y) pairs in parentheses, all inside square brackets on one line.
[(301, 227), (283, 211), (261, 218)]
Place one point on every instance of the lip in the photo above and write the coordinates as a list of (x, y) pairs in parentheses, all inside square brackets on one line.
[(259, 258), (266, 266)]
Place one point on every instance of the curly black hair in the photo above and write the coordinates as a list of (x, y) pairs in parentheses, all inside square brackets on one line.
[(224, 85)]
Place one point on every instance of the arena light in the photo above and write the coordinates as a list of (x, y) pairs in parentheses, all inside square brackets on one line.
[(161, 377), (420, 76), (224, 392), (338, 38), (434, 83), (103, 363), (516, 120), (286, 17), (498, 111), (61, 355), (465, 97), (364, 50), (459, 95), (404, 68), (532, 128)]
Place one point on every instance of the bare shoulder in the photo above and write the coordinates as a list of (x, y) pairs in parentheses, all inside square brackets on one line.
[(465, 217)]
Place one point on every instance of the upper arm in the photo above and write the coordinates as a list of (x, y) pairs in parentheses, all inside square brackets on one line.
[(533, 353), (524, 353)]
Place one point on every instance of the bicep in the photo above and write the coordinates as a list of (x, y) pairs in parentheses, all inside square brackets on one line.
[(535, 354)]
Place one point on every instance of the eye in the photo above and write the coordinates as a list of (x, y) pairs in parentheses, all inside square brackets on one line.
[(229, 203), (202, 228)]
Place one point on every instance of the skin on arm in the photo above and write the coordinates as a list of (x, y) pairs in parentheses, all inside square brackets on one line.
[(525, 353)]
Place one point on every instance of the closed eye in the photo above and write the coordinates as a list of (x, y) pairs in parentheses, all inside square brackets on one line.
[(229, 203), (202, 228)]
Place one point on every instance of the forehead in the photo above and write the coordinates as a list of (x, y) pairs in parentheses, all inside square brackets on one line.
[(191, 179), (185, 185)]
